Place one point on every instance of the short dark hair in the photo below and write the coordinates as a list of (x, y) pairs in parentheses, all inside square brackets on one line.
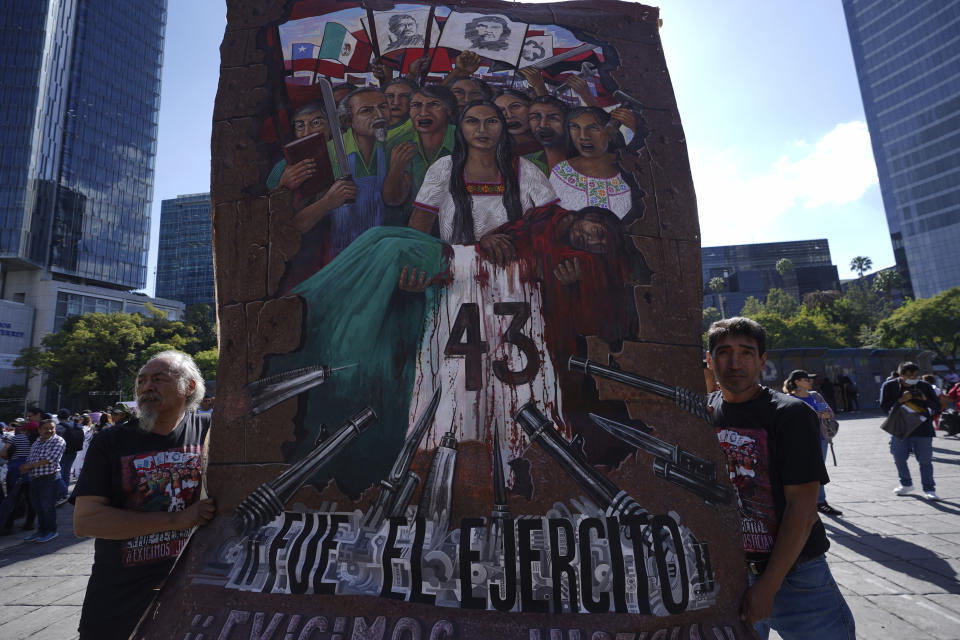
[(737, 326), (553, 101), (445, 96), (514, 93), (907, 367), (407, 81), (36, 409)]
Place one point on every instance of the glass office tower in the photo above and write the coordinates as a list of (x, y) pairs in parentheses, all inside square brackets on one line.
[(907, 55), (79, 102), (185, 259)]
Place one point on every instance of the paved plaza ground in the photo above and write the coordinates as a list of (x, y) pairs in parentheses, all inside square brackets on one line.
[(897, 559)]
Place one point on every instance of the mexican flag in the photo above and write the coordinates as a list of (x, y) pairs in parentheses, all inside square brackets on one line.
[(341, 45)]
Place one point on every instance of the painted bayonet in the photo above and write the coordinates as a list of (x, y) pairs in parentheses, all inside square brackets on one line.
[(539, 429), (396, 490), (685, 399), (268, 392), (672, 463), (267, 501)]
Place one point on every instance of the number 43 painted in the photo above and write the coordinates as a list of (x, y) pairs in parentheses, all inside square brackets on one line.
[(465, 342)]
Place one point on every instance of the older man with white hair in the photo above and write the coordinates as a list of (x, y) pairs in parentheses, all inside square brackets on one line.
[(132, 497)]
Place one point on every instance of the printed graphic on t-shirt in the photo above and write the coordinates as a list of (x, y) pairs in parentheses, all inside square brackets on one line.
[(745, 451), (166, 480)]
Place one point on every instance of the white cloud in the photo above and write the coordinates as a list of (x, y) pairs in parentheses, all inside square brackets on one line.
[(736, 202)]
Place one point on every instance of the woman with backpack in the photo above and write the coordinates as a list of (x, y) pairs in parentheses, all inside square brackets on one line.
[(800, 385)]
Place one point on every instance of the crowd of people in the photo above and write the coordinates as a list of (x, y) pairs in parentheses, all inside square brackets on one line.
[(458, 159), (43, 454)]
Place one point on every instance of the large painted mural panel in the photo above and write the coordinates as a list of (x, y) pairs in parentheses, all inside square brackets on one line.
[(460, 391)]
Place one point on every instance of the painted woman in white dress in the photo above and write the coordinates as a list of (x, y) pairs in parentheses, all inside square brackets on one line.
[(480, 186), (593, 177), (472, 193)]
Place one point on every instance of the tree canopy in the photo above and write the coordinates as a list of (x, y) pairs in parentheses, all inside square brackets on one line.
[(928, 323), (103, 351)]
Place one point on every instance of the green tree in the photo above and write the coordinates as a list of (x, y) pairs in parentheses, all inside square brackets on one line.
[(886, 281), (207, 361), (781, 303), (717, 285), (103, 351), (804, 329), (91, 352), (821, 299), (861, 264), (752, 307), (784, 266), (200, 317), (927, 323)]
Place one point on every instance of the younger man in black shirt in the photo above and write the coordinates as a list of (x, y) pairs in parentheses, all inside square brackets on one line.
[(773, 452)]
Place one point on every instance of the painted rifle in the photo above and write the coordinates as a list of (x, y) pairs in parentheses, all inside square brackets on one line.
[(396, 490), (684, 398), (613, 500), (268, 392), (670, 462), (266, 502)]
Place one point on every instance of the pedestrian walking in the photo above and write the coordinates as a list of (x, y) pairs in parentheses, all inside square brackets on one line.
[(909, 393)]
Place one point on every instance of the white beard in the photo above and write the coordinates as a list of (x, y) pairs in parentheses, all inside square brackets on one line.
[(148, 420)]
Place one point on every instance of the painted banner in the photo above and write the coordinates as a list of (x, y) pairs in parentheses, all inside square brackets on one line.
[(460, 389)]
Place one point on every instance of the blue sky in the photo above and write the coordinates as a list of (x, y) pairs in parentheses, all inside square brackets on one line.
[(767, 93)]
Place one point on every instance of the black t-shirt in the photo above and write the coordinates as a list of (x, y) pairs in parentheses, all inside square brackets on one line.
[(142, 472), (769, 441)]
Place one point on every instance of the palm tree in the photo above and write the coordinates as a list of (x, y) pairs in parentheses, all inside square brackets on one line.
[(886, 281), (861, 264), (717, 284)]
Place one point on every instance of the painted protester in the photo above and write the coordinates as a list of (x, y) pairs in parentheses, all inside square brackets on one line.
[(481, 186), (432, 112), (594, 175)]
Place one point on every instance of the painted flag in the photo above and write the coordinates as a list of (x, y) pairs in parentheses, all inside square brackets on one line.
[(301, 50), (492, 36), (535, 49), (303, 62), (399, 30), (341, 45)]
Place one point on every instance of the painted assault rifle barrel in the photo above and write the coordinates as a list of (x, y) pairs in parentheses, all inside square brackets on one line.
[(268, 392), (266, 502), (539, 429), (397, 488), (670, 462), (685, 399)]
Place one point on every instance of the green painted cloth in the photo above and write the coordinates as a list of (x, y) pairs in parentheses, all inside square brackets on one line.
[(355, 313)]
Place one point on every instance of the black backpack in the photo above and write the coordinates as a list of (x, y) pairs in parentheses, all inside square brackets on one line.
[(950, 421), (73, 435)]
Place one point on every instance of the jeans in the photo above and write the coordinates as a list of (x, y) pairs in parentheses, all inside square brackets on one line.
[(822, 496), (808, 606), (43, 495), (66, 463), (922, 447)]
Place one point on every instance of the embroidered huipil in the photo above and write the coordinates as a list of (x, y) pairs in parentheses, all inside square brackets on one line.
[(577, 191)]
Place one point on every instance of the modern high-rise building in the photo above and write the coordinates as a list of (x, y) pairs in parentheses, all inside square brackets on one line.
[(751, 270), (79, 107), (907, 55), (185, 259)]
